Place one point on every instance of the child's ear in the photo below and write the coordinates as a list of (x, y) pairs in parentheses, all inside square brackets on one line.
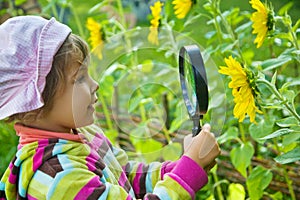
[(73, 79)]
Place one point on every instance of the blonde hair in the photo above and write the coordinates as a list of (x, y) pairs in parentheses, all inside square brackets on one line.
[(74, 49)]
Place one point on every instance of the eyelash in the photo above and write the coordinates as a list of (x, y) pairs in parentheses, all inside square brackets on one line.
[(80, 79)]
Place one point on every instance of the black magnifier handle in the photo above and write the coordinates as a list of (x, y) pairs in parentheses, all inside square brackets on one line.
[(196, 127)]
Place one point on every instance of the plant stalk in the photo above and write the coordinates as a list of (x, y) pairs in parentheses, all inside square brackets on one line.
[(280, 97), (105, 111), (78, 23), (218, 188), (289, 183)]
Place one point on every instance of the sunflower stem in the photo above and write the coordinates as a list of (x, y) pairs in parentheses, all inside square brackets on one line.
[(286, 20), (77, 21), (295, 41), (106, 112), (219, 32), (218, 187), (289, 183), (241, 127), (123, 27), (228, 29), (164, 129), (54, 9), (172, 38), (121, 13), (280, 97)]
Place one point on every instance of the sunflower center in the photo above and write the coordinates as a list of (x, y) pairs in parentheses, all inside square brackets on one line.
[(270, 21), (251, 82)]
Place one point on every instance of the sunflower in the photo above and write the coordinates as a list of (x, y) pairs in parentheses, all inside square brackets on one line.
[(243, 89), (153, 35), (263, 21), (96, 36), (182, 7), (155, 22)]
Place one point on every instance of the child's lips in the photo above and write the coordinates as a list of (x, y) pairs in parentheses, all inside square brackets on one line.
[(91, 107)]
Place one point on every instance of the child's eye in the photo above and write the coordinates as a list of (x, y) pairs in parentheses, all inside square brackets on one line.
[(80, 79)]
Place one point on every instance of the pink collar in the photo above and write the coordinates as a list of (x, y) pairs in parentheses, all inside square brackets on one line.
[(28, 135)]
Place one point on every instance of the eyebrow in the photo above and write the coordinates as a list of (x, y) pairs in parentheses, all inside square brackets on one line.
[(82, 67)]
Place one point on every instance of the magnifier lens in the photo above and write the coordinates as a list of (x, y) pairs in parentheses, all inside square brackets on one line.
[(190, 82)]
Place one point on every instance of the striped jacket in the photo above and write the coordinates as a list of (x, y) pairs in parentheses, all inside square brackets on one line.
[(57, 168)]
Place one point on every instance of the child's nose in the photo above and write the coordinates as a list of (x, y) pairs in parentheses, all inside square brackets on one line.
[(95, 86)]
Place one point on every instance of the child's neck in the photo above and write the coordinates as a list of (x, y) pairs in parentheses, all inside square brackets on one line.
[(42, 125)]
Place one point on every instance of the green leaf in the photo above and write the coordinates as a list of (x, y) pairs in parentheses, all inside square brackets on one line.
[(258, 181), (106, 85), (284, 36), (180, 118), (287, 122), (19, 2), (111, 134), (273, 63), (274, 106), (140, 132), (295, 82), (277, 196), (243, 27), (282, 59), (241, 157), (295, 27), (97, 7), (284, 9), (261, 129), (278, 133), (192, 19), (290, 138), (147, 66), (172, 151), (288, 94), (227, 46), (236, 192), (289, 157), (274, 77), (134, 103), (148, 146), (285, 86), (230, 134), (176, 123)]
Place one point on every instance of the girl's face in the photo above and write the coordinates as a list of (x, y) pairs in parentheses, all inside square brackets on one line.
[(74, 107)]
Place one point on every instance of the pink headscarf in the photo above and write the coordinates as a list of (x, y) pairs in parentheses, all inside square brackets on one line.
[(27, 47)]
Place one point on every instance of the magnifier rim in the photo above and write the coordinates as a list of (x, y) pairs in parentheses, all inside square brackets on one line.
[(198, 69)]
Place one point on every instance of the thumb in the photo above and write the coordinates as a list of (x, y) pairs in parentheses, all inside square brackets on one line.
[(187, 141)]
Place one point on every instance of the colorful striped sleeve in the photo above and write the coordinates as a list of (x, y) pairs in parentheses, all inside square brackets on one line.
[(178, 183), (154, 179)]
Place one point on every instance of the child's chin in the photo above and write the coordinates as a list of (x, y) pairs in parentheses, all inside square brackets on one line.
[(87, 121)]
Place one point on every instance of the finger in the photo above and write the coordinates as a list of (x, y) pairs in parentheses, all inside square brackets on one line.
[(206, 128)]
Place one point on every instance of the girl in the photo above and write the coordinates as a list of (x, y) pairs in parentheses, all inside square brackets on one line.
[(45, 87)]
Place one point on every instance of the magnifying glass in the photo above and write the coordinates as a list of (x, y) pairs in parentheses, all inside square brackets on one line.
[(193, 83)]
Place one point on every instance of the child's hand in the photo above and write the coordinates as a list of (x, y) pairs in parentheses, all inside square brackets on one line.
[(203, 148)]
